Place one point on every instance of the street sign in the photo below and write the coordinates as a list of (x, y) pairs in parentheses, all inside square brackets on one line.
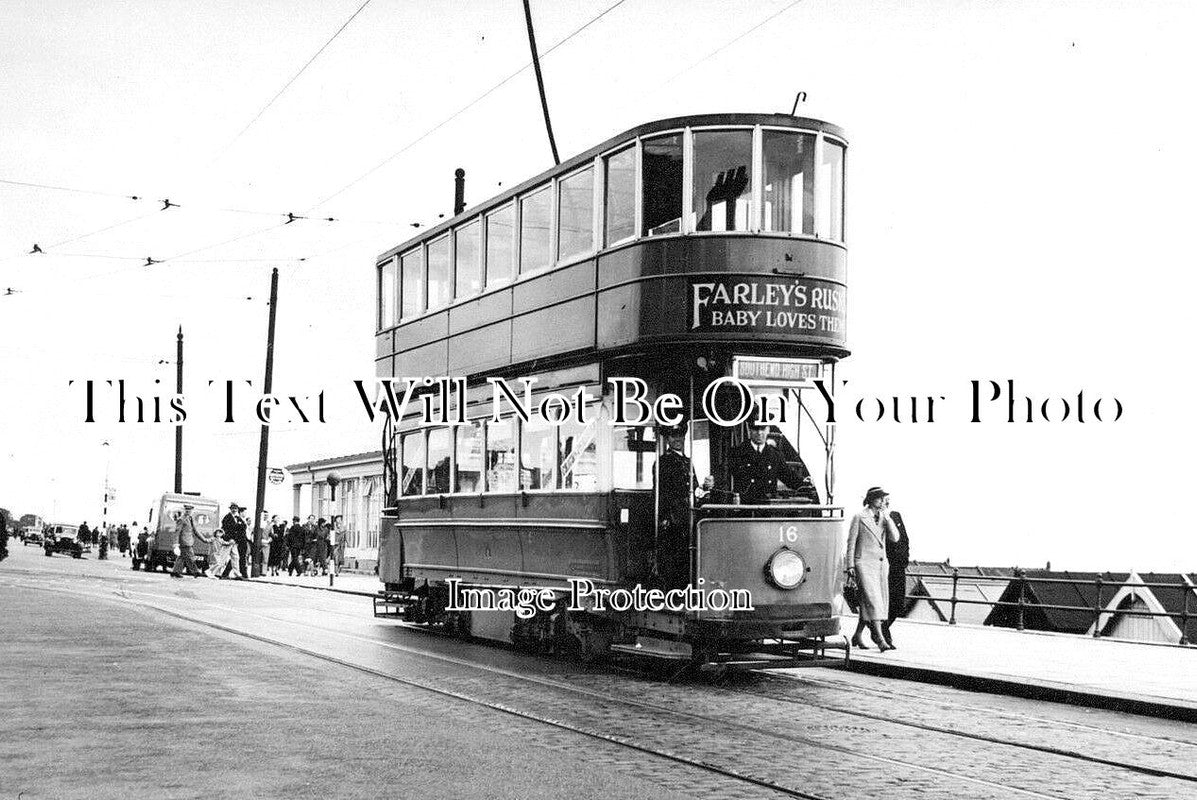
[(276, 475)]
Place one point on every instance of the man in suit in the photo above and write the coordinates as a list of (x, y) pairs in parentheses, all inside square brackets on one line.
[(233, 530), (898, 555), (757, 466), (187, 534)]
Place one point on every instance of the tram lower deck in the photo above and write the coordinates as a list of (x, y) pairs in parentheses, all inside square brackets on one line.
[(687, 253)]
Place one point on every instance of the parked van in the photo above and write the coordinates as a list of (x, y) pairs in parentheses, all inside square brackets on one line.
[(163, 544)]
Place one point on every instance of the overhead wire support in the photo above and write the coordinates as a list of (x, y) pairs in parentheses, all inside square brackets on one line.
[(544, 102)]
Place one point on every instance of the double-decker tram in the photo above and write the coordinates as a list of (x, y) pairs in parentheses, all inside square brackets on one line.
[(697, 261)]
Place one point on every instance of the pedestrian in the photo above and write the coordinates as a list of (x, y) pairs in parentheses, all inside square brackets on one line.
[(320, 550), (122, 539), (867, 534), (104, 548), (310, 529), (186, 532), (224, 551), (84, 533), (898, 555), (338, 542), (233, 527), (3, 536), (295, 545)]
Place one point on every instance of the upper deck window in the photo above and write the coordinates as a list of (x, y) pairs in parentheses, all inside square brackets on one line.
[(468, 258), (500, 245), (620, 195), (535, 210), (789, 182), (722, 196), (440, 289), (661, 162), (388, 294), (412, 290), (575, 214), (831, 192)]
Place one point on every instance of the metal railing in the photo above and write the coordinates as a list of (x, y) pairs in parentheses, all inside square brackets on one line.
[(1024, 602)]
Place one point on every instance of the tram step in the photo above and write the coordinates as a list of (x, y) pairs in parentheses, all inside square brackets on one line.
[(656, 648)]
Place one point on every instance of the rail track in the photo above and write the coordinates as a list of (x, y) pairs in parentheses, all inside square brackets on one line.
[(698, 738)]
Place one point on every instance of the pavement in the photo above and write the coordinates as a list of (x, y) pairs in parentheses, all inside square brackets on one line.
[(1138, 677), (1104, 673)]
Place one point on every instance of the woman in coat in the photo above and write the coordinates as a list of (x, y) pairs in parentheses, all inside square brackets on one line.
[(866, 561)]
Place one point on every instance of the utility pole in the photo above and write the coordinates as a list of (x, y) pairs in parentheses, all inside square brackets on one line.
[(179, 428), (264, 442)]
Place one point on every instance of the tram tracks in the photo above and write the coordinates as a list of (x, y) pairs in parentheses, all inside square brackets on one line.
[(696, 752)]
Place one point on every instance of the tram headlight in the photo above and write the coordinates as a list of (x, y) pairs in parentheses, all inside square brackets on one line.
[(785, 569)]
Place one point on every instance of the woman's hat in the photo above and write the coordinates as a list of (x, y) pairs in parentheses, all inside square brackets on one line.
[(875, 493)]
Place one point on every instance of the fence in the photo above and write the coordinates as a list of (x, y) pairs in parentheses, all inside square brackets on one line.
[(1023, 602)]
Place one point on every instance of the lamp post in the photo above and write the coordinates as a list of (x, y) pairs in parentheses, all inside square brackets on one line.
[(332, 480), (107, 489)]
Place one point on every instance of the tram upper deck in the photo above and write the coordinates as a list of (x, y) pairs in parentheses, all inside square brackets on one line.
[(721, 229)]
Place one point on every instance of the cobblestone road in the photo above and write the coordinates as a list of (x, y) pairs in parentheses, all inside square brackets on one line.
[(825, 734)]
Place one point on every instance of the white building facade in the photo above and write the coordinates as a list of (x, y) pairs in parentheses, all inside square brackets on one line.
[(357, 498)]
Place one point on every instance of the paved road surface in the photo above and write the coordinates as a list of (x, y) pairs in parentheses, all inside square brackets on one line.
[(119, 684)]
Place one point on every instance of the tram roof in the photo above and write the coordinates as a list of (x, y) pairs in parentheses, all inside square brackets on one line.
[(645, 129)]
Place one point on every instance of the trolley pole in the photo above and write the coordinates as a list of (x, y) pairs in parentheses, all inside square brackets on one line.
[(179, 428), (264, 442)]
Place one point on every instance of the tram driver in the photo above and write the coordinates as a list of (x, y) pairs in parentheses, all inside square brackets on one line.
[(757, 466)]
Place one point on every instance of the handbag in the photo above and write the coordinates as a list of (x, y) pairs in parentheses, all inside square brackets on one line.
[(852, 592)]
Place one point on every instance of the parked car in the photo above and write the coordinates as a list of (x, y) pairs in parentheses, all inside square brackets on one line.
[(31, 536), (63, 538)]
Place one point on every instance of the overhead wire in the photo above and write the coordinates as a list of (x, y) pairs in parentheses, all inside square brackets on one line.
[(461, 110), (294, 78)]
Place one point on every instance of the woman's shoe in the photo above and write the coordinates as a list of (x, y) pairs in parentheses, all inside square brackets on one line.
[(857, 643)]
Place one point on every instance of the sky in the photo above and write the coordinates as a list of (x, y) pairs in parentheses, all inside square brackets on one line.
[(1018, 208)]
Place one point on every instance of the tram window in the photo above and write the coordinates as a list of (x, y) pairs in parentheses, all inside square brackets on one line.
[(500, 245), (578, 456), (467, 468), (661, 162), (500, 456), (413, 464), (789, 182), (440, 291), (412, 288), (722, 180), (575, 214), (619, 184), (388, 292), (468, 258), (535, 210), (634, 454), (538, 455), (440, 449), (831, 192)]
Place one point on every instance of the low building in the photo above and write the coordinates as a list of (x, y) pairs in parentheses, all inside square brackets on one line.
[(357, 497), (929, 589), (1152, 607), (1057, 600)]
